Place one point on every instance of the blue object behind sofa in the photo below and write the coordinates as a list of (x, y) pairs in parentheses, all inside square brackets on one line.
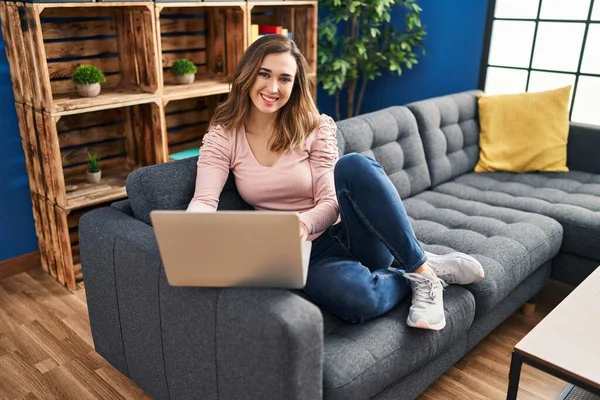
[(183, 343)]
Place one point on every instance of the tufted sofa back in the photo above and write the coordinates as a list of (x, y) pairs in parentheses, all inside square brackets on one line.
[(391, 137), (449, 128)]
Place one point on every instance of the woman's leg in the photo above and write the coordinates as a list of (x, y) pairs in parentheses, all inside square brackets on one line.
[(345, 287), (371, 207)]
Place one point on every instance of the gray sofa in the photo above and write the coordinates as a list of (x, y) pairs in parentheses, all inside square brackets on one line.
[(206, 343)]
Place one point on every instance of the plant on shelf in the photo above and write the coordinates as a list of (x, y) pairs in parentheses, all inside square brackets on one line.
[(94, 173), (87, 79), (184, 71), (358, 41)]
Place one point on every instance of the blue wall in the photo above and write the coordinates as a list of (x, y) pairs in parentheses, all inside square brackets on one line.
[(17, 230), (454, 43)]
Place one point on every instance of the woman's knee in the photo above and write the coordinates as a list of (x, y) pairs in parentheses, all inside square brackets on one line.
[(351, 167)]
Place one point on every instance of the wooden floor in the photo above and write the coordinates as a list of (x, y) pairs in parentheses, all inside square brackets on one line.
[(46, 350)]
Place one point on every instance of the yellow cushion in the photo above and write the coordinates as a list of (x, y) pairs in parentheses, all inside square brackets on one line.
[(524, 132)]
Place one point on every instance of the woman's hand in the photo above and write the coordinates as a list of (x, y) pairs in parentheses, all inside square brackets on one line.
[(303, 231)]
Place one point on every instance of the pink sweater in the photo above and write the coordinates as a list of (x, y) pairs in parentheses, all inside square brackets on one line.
[(301, 181)]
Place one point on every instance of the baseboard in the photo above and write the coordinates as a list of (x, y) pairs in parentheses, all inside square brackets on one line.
[(19, 264)]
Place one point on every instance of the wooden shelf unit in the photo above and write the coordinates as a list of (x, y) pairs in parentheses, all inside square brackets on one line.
[(141, 115), (48, 40)]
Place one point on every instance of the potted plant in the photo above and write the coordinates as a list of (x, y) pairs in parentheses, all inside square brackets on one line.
[(184, 71), (87, 79), (359, 42), (94, 173)]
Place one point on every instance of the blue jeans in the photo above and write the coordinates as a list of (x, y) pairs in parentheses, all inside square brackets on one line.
[(348, 272)]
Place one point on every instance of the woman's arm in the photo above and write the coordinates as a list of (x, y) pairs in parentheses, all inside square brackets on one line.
[(323, 156), (213, 169)]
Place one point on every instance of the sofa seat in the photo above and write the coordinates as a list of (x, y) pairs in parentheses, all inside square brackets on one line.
[(361, 360), (510, 244), (571, 198)]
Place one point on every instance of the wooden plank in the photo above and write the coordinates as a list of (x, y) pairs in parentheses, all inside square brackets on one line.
[(62, 87), (197, 57), (76, 29), (159, 133), (170, 10), (36, 53), (64, 69), (13, 48), (81, 48), (299, 28), (228, 37), (31, 149), (196, 89), (190, 133), (187, 118), (311, 38), (49, 239), (68, 11), (125, 47), (62, 230), (90, 135), (73, 236), (238, 40), (185, 146), (104, 150), (72, 103), (88, 119), (61, 249), (170, 43), (39, 126), (150, 61), (196, 103), (217, 38), (176, 25)]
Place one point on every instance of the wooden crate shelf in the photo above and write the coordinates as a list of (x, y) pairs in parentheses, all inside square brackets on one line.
[(298, 17), (124, 138), (58, 232), (48, 40), (187, 121), (211, 35)]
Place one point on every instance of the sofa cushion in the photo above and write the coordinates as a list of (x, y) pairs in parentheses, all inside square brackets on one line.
[(449, 128), (361, 360), (571, 198), (170, 186), (510, 244), (391, 137)]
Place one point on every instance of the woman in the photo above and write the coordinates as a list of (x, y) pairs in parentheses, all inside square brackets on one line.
[(284, 157)]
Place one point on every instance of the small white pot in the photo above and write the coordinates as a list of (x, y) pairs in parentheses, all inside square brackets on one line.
[(185, 79), (94, 177), (91, 90)]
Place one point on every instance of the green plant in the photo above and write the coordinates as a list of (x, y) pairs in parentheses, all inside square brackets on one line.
[(93, 163), (85, 74), (183, 66), (357, 41)]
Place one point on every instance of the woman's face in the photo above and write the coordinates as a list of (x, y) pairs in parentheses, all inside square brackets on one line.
[(274, 81)]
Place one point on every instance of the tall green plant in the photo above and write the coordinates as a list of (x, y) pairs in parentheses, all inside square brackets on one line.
[(357, 41)]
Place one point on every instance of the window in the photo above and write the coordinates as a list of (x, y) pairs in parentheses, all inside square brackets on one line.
[(536, 45)]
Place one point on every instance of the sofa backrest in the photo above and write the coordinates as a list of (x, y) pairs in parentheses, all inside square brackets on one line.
[(449, 128), (391, 137), (170, 186)]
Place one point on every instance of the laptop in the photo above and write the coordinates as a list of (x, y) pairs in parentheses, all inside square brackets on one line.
[(232, 248)]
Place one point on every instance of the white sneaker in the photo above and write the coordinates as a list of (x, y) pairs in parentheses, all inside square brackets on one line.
[(455, 268), (427, 309)]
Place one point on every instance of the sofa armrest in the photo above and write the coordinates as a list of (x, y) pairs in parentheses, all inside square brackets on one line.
[(584, 140), (187, 342)]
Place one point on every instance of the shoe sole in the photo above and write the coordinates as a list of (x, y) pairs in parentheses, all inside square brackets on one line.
[(425, 325), (481, 272)]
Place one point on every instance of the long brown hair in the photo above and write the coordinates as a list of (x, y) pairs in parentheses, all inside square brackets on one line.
[(295, 120)]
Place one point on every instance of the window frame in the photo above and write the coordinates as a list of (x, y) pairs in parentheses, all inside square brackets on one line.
[(490, 18)]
